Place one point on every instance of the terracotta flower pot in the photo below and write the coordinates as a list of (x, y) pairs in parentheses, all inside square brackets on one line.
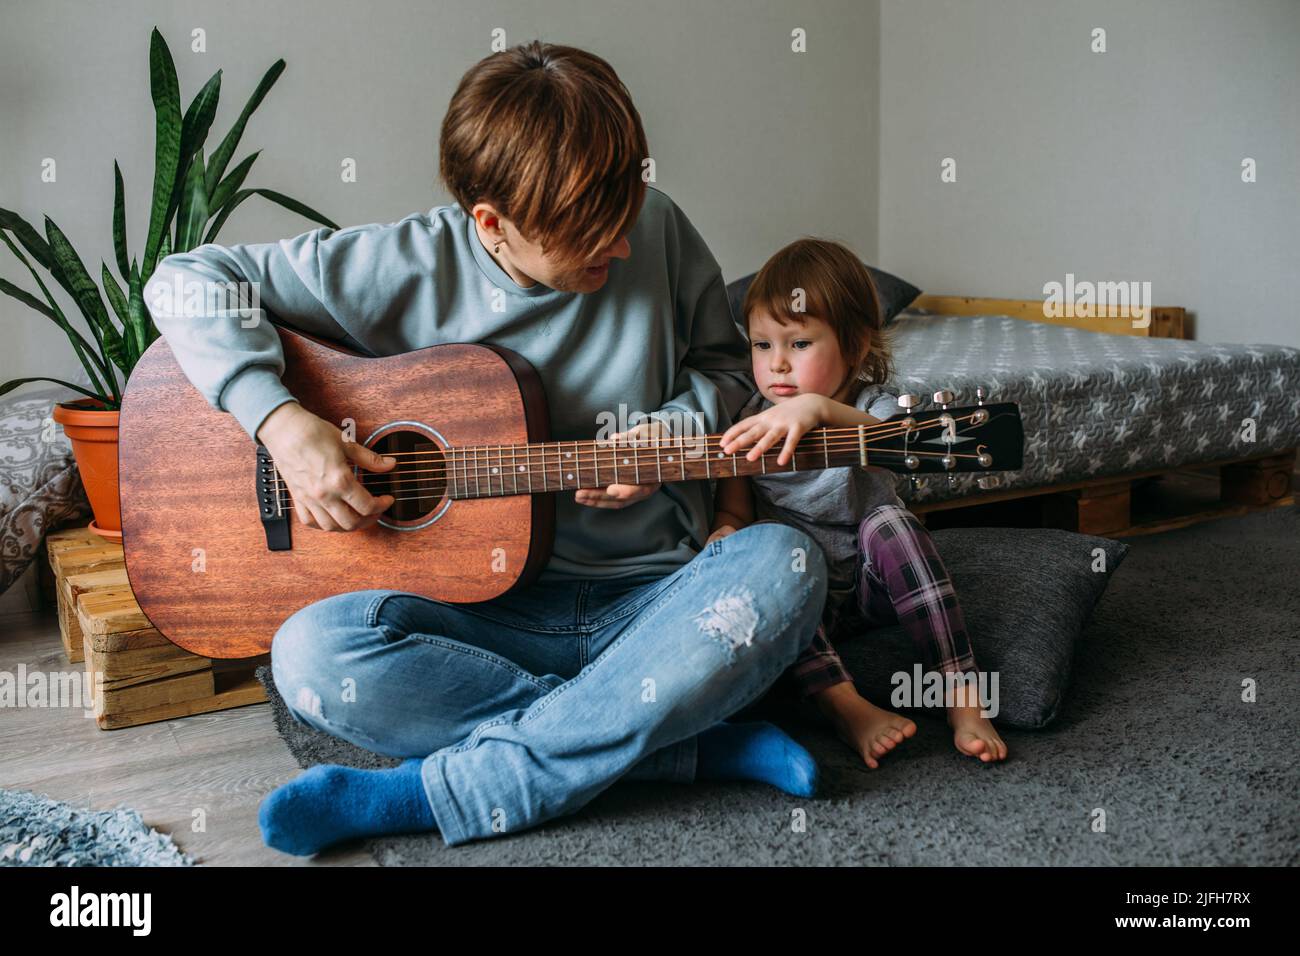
[(93, 432)]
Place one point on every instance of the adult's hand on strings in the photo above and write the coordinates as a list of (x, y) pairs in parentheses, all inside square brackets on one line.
[(315, 463), (790, 420), (620, 496)]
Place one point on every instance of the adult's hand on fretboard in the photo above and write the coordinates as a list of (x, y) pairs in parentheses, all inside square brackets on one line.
[(620, 496)]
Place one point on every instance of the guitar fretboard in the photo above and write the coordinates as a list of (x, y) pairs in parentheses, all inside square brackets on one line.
[(494, 470)]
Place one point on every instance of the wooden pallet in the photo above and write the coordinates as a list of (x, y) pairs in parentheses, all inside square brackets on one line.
[(73, 553), (1139, 503), (139, 676)]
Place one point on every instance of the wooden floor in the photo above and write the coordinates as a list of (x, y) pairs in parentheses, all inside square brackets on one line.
[(222, 764)]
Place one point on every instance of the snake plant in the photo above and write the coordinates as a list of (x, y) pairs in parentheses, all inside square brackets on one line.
[(192, 199)]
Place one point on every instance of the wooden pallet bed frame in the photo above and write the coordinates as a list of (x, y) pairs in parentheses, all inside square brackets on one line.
[(1116, 505)]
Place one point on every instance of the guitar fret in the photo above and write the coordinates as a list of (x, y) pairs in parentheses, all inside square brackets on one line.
[(681, 455), (826, 452)]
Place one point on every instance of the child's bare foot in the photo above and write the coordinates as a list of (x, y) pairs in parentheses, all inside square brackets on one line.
[(974, 735), (870, 730)]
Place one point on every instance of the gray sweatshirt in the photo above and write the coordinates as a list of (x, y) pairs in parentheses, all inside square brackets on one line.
[(658, 338), (828, 504)]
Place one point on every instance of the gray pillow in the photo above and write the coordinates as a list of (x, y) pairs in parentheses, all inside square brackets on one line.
[(1026, 594), (895, 294), (39, 483)]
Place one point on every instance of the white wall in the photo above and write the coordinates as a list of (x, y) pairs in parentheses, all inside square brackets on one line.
[(1122, 165), (756, 143), (1117, 165)]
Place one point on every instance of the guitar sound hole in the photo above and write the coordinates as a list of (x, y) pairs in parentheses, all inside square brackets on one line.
[(417, 482)]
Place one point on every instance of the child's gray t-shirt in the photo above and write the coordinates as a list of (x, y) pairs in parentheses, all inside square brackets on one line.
[(828, 504)]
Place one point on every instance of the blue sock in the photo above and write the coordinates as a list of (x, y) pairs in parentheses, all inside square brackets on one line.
[(328, 804), (756, 751)]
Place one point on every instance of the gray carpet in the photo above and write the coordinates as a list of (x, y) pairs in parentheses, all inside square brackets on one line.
[(1153, 732)]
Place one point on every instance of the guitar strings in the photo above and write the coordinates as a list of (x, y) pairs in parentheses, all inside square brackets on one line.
[(666, 442), (884, 429), (854, 434), (490, 494), (464, 459)]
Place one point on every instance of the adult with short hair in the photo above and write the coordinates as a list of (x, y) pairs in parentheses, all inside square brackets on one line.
[(639, 637)]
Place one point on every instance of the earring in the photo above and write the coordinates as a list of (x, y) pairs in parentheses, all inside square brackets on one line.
[(496, 250)]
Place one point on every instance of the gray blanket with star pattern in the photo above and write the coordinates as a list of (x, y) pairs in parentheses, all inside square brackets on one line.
[(1095, 405)]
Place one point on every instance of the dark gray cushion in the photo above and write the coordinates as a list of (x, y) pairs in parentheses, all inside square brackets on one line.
[(895, 294), (1026, 594)]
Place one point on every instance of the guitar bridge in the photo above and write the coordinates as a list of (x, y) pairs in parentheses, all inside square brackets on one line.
[(272, 503)]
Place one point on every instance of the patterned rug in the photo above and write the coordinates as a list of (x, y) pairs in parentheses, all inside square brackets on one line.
[(38, 831)]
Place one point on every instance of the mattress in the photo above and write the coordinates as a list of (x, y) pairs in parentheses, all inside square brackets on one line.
[(1095, 405)]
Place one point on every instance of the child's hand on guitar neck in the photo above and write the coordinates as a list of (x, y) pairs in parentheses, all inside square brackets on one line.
[(789, 420), (620, 496), (315, 464)]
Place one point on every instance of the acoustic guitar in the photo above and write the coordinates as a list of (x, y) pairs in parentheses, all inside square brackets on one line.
[(217, 560)]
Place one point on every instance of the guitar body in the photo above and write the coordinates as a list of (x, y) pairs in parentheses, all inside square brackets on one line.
[(198, 554)]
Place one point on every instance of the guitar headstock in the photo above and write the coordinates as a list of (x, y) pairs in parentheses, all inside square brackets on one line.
[(950, 439)]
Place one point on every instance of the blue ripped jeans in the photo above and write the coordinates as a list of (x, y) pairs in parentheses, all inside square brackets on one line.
[(528, 706)]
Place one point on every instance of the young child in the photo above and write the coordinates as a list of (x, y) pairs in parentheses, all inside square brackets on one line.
[(823, 366)]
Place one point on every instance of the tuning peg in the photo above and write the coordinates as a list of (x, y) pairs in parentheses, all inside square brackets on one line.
[(943, 397), (979, 395), (989, 482), (907, 401)]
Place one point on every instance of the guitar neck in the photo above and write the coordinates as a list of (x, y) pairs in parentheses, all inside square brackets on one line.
[(494, 470), (975, 438)]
